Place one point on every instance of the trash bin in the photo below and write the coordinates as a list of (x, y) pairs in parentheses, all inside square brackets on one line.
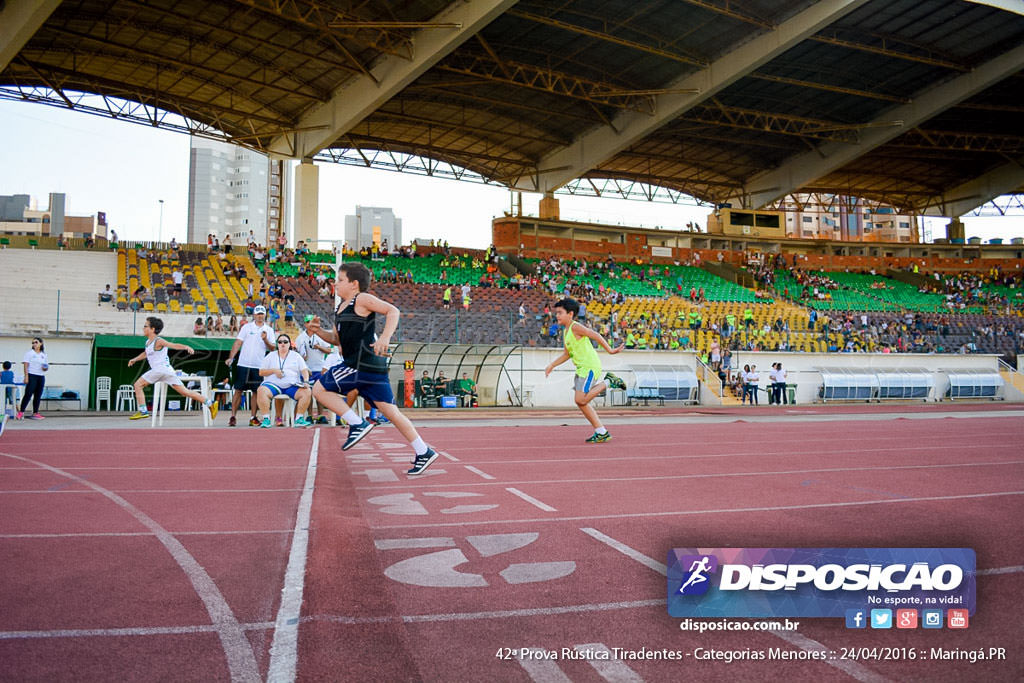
[(791, 394)]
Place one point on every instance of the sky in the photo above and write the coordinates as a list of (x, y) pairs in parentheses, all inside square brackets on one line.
[(125, 169)]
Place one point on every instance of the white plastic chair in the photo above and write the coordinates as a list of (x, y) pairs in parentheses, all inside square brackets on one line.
[(126, 397), (102, 391), (287, 410)]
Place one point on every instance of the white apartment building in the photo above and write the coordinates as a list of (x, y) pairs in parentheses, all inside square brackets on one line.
[(836, 217), (233, 190), (372, 225)]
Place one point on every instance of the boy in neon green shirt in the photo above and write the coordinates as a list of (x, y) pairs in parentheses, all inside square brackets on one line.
[(589, 381)]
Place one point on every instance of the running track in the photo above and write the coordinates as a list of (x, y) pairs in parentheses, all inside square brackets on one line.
[(244, 554)]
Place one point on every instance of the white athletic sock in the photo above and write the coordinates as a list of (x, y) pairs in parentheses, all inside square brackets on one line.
[(351, 418), (420, 446), (266, 416), (209, 402), (601, 430)]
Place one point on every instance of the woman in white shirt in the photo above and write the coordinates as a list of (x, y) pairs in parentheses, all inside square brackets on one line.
[(35, 363), (285, 372)]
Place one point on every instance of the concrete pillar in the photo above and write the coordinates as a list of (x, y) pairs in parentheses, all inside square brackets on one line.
[(549, 207), (307, 198), (955, 230)]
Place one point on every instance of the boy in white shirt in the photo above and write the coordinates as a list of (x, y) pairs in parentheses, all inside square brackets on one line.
[(160, 369)]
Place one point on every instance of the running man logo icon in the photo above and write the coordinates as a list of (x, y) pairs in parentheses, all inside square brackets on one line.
[(696, 582)]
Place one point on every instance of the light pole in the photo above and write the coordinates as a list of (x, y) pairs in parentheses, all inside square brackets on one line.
[(160, 230)]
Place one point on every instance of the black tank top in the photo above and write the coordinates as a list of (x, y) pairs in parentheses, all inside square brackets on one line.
[(356, 335)]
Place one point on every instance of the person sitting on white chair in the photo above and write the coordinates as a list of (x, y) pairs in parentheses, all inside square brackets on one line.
[(287, 374)]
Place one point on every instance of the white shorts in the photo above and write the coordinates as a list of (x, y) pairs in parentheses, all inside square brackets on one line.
[(165, 375)]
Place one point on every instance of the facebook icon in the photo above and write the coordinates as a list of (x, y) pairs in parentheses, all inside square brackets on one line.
[(856, 618)]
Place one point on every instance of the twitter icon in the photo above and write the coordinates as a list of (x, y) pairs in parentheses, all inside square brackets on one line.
[(881, 618)]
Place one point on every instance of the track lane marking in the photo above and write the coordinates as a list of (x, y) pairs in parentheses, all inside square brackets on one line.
[(531, 500), (477, 472), (284, 648), (712, 511), (240, 658), (706, 475), (849, 667)]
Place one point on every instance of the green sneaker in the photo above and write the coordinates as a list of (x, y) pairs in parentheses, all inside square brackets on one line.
[(301, 421), (266, 424), (600, 438)]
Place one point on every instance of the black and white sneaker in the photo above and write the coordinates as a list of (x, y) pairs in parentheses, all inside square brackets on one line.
[(356, 433), (422, 462)]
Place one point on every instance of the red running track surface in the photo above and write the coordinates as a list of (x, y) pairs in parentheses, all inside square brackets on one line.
[(518, 537)]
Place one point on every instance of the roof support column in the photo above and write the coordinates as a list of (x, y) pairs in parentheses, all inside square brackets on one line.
[(307, 198), (19, 20)]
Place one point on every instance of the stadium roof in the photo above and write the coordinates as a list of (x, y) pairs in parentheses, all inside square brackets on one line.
[(916, 103)]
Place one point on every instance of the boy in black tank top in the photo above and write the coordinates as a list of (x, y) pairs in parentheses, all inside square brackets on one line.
[(364, 362)]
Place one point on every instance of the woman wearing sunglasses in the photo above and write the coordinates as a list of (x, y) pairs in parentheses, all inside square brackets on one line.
[(284, 372)]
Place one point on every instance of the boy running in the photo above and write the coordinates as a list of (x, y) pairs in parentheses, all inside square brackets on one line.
[(589, 381), (160, 369), (364, 366)]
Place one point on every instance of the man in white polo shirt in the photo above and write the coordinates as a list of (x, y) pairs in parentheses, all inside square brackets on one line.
[(314, 351), (254, 341)]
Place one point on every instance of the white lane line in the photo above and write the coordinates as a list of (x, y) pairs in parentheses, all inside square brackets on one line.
[(531, 500), (609, 668), (237, 649), (803, 642), (122, 632), (404, 543), (479, 472), (449, 456), (117, 534), (284, 649), (765, 473), (714, 511), (496, 614), (119, 491), (541, 670), (627, 551)]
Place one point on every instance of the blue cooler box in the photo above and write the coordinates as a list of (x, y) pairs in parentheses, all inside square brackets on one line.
[(448, 402)]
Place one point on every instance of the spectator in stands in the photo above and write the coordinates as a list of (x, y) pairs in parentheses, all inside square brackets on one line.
[(251, 345), (467, 390), (113, 236), (441, 384), (177, 277), (227, 243), (106, 295), (199, 329), (218, 324), (35, 364), (446, 298), (425, 390), (233, 325), (209, 324), (90, 241)]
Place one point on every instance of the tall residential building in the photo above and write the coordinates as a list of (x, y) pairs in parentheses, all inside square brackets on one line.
[(234, 190), (372, 225)]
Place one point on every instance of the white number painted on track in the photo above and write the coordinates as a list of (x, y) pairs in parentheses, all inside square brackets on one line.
[(406, 503), (438, 569)]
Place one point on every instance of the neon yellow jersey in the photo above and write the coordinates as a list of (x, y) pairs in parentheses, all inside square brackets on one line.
[(582, 353)]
